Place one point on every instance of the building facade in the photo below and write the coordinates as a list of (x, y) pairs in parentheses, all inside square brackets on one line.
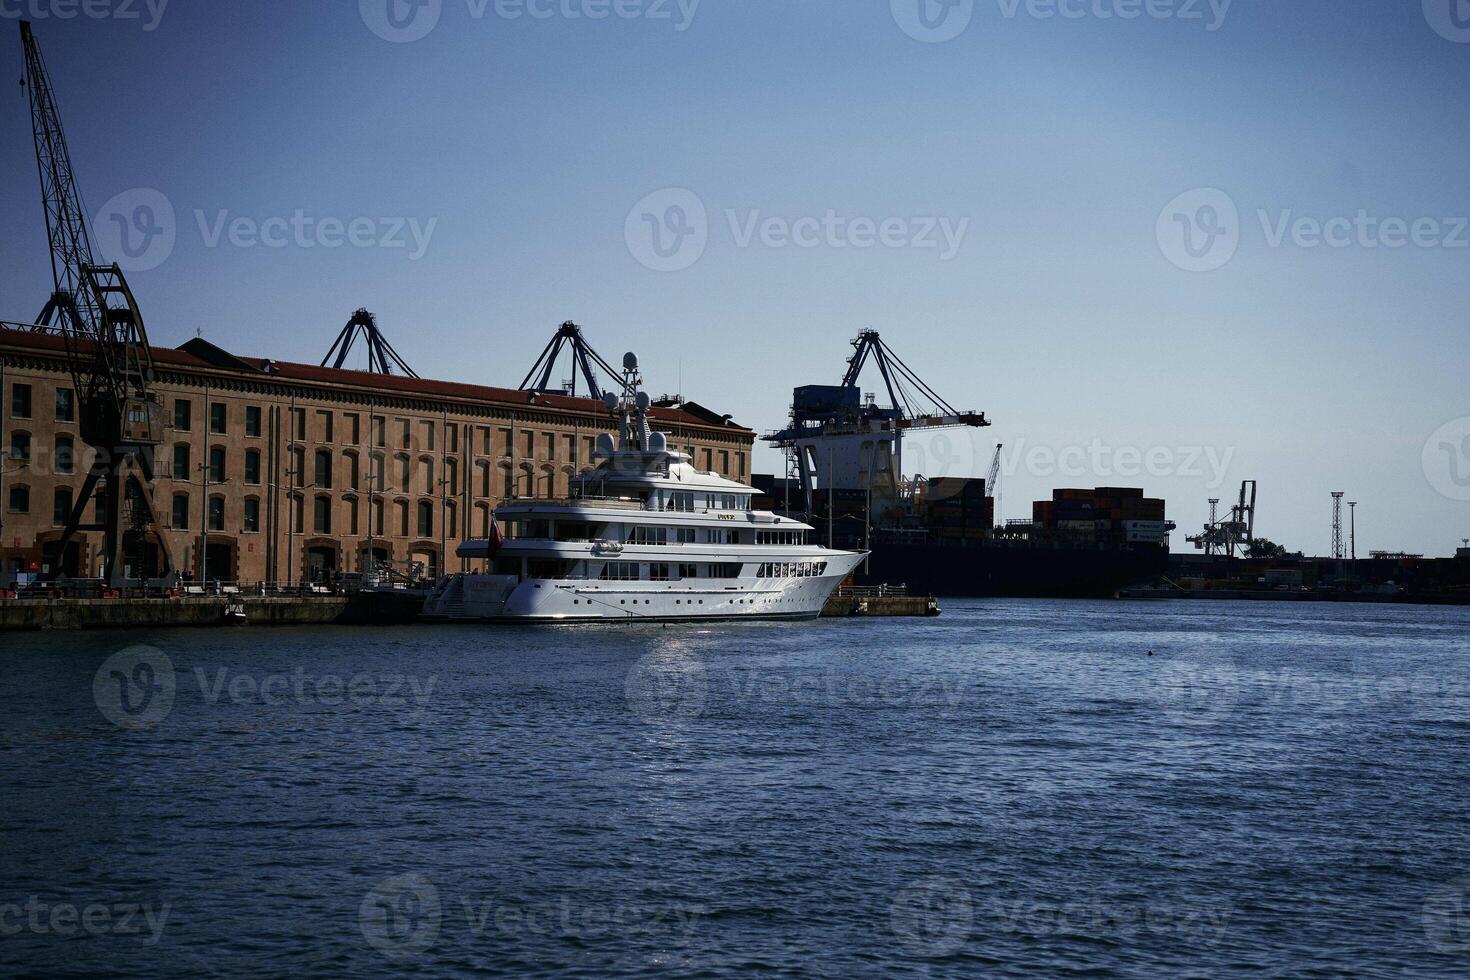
[(288, 473)]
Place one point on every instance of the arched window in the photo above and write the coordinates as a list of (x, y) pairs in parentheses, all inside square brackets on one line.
[(65, 450), (352, 515), (405, 474), (251, 524), (216, 464), (485, 490), (180, 516), (323, 469), (19, 500), (20, 445), (375, 518), (451, 520), (426, 519), (401, 507), (350, 460), (181, 461), (252, 466), (482, 520), (216, 513), (377, 473), (428, 467), (451, 478), (508, 481), (322, 513)]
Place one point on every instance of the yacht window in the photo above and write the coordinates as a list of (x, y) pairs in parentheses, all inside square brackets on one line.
[(725, 570), (685, 535), (507, 566), (688, 571), (658, 572), (620, 571), (648, 535), (682, 500)]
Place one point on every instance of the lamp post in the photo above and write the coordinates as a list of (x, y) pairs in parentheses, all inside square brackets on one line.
[(1353, 528)]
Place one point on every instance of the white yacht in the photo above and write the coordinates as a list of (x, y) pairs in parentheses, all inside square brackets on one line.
[(643, 536)]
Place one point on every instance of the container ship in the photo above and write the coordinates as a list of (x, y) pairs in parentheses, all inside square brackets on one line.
[(940, 535)]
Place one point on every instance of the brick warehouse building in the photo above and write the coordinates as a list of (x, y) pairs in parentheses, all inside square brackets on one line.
[(291, 472)]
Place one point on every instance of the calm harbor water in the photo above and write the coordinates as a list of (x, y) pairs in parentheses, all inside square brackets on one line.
[(1013, 788)]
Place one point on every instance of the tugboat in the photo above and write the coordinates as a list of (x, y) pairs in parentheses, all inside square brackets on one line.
[(643, 536)]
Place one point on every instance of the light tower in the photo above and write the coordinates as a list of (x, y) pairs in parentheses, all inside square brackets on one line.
[(1353, 529), (1337, 496)]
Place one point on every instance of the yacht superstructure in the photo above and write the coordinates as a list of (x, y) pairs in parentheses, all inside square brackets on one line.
[(643, 536)]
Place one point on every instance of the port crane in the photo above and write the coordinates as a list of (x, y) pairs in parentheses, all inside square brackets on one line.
[(842, 441), (95, 312), (382, 358), (1235, 532), (585, 361)]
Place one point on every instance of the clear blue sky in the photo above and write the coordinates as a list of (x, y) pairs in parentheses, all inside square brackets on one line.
[(1060, 140)]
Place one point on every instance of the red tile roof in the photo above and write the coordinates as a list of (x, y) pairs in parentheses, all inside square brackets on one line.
[(365, 379)]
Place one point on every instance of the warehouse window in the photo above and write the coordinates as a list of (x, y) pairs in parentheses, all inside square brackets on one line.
[(20, 445), (181, 463), (183, 414), (322, 515), (20, 401), (252, 515), (217, 464), (216, 513), (427, 435), (181, 512), (298, 424), (377, 472), (375, 518), (217, 418), (352, 515), (428, 465), (451, 438), (324, 425), (353, 479), (60, 505), (66, 405), (252, 466), (99, 507), (252, 421), (296, 522), (354, 428), (324, 468), (20, 500), (65, 454), (402, 507), (378, 426), (426, 519), (451, 478), (405, 434), (451, 520)]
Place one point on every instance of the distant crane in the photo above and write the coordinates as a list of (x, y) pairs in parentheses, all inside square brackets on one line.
[(842, 441), (111, 364), (992, 484), (382, 358), (585, 361), (1236, 532), (1337, 546)]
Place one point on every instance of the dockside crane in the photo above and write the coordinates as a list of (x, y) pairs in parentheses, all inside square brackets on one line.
[(382, 358), (585, 361), (94, 310), (1234, 533), (842, 441)]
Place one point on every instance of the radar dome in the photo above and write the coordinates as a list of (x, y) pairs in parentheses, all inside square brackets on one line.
[(643, 400), (658, 442), (604, 445), (611, 401), (630, 361)]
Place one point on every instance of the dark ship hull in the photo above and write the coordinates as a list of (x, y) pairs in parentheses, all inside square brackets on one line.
[(1012, 569)]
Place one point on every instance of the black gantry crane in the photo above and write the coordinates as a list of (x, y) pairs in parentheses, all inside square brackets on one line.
[(108, 354), (909, 396), (382, 358), (585, 361)]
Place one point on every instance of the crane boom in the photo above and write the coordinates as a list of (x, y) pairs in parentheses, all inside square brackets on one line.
[(108, 354)]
